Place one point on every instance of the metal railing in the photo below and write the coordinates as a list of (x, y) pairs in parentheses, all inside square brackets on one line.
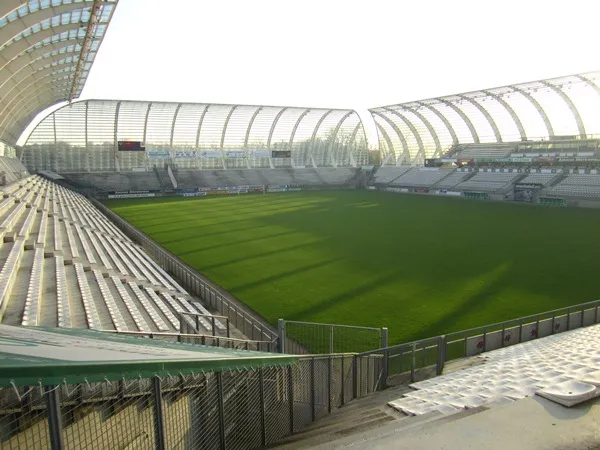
[(298, 338), (243, 318), (197, 319), (204, 339), (229, 409), (424, 358)]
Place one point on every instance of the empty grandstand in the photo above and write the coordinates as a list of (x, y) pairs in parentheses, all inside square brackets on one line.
[(107, 337), (67, 266)]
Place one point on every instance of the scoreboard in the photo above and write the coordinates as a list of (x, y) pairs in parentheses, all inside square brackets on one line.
[(281, 154), (130, 146)]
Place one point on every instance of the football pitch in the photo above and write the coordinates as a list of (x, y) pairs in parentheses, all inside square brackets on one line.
[(420, 265)]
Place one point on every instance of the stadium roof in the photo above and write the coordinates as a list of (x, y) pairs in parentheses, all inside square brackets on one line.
[(47, 48), (565, 106), (312, 134)]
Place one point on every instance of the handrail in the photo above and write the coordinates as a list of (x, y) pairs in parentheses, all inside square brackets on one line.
[(151, 334), (533, 317), (331, 325)]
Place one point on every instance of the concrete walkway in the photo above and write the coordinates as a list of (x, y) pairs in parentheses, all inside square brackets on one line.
[(530, 424)]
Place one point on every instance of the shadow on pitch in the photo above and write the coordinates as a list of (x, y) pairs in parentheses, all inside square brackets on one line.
[(287, 273), (256, 255)]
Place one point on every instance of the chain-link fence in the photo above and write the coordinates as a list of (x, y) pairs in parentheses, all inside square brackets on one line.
[(233, 409), (299, 338)]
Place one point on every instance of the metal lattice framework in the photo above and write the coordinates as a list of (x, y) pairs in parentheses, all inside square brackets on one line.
[(47, 48), (83, 136), (566, 106)]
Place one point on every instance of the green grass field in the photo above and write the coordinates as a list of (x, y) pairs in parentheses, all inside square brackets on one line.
[(419, 265)]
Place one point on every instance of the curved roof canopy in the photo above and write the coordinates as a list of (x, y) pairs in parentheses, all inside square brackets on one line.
[(84, 136), (47, 48), (539, 110)]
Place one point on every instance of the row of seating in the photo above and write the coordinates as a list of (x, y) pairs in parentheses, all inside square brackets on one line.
[(489, 181), (91, 275), (541, 366), (576, 185), (188, 179), (419, 177)]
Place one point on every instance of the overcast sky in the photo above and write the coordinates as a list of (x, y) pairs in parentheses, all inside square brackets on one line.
[(337, 53)]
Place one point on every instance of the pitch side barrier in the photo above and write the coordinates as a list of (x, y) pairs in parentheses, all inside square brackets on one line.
[(240, 316), (424, 358)]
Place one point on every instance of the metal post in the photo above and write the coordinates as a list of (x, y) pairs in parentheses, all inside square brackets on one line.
[(413, 361), (355, 376), (159, 422), (520, 330), (228, 328), (54, 418), (291, 396), (386, 357), (329, 382), (263, 423), (220, 395), (214, 328), (330, 339), (343, 382), (281, 336), (441, 356), (312, 388)]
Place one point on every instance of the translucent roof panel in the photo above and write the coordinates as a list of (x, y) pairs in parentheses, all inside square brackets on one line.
[(540, 110), (195, 135), (40, 38)]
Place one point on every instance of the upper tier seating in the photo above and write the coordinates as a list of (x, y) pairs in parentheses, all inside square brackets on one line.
[(577, 185), (453, 179), (475, 151), (540, 178), (63, 264), (489, 181), (421, 177), (510, 374), (387, 174)]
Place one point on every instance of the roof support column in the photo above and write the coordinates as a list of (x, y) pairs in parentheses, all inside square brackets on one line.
[(405, 152), (463, 116), (198, 155), (444, 120), (413, 130), (570, 105), (511, 112), (314, 136), (487, 115), (115, 145), (538, 107)]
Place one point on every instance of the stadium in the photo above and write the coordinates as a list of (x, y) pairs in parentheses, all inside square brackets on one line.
[(183, 275)]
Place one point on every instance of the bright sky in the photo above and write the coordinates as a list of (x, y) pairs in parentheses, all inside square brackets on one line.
[(337, 53)]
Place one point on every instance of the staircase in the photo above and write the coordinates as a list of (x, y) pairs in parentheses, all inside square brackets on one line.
[(365, 421), (172, 176)]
